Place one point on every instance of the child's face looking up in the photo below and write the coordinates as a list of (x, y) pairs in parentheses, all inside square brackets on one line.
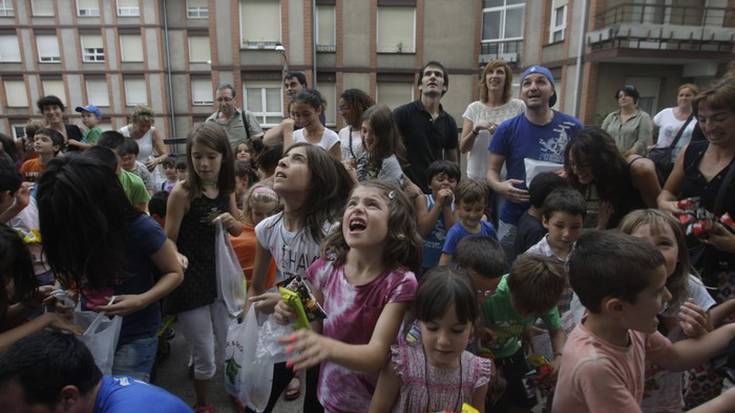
[(564, 229), (445, 339), (365, 221)]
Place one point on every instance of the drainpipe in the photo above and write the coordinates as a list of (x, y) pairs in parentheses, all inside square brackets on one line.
[(580, 52), (172, 111), (313, 42)]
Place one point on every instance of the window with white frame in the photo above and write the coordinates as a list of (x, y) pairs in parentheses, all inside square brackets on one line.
[(396, 29), (558, 22), (328, 90), (42, 8), (6, 8), (48, 48), (264, 100), (15, 93), (128, 8), (197, 9), (201, 92), (92, 50), (395, 94), (88, 8), (9, 48), (502, 21), (326, 31), (97, 93), (131, 48), (135, 92), (260, 22), (19, 130), (199, 48), (54, 87)]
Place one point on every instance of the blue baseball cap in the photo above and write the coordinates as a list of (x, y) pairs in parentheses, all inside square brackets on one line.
[(91, 109), (536, 69)]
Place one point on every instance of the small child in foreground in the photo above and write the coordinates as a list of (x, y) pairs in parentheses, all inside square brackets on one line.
[(530, 227), (563, 215)]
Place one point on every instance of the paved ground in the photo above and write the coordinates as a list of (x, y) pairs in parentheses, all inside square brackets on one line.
[(172, 375)]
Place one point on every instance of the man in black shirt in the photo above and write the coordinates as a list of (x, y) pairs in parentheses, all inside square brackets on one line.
[(428, 133)]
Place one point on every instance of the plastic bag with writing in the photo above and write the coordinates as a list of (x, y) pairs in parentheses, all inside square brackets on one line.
[(230, 277)]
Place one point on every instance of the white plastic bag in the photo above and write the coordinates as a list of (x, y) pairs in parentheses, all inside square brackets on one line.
[(230, 277), (100, 336), (247, 376), (534, 167)]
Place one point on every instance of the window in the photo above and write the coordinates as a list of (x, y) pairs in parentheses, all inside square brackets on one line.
[(9, 48), (42, 7), (19, 130), (128, 8), (197, 9), (199, 49), (131, 48), (558, 21), (6, 8), (261, 23), (325, 23), (54, 87), (15, 92), (395, 94), (88, 8), (264, 100), (329, 92), (97, 92), (502, 27), (48, 48), (92, 50), (396, 28), (135, 92), (201, 92)]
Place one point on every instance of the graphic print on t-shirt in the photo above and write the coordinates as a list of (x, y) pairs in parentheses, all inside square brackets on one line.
[(552, 148)]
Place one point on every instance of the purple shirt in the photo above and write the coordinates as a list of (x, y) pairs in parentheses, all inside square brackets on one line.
[(352, 313)]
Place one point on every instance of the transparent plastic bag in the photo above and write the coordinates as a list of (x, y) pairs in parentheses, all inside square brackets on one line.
[(230, 277), (100, 336)]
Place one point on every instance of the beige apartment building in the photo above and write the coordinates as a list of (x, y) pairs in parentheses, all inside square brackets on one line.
[(171, 54)]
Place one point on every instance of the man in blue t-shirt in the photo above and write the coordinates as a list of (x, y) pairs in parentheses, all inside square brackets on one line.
[(51, 371), (539, 133)]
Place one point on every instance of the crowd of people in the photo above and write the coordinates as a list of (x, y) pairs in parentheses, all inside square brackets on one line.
[(568, 269)]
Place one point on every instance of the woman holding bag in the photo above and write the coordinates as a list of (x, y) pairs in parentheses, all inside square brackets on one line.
[(675, 127)]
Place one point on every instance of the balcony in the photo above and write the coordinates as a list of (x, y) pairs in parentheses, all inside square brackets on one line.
[(664, 27), (509, 50)]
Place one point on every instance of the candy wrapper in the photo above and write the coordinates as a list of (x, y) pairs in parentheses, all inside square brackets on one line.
[(299, 296), (696, 220), (542, 376)]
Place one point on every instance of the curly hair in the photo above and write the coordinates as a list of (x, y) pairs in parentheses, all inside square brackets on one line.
[(142, 114), (359, 102)]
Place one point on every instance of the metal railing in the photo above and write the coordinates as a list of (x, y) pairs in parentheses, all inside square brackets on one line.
[(641, 13), (510, 51)]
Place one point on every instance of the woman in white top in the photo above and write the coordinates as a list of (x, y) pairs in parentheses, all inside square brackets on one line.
[(146, 136), (482, 117), (670, 120), (352, 104), (306, 108)]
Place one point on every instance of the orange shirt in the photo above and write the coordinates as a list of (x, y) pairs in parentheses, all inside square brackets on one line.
[(244, 246), (31, 169)]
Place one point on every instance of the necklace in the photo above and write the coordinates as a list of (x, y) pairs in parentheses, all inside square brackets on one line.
[(426, 383)]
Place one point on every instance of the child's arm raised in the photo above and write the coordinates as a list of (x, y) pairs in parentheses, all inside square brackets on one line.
[(427, 218), (686, 354), (387, 390)]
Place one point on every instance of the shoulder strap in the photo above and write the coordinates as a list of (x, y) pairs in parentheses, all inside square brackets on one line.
[(681, 131), (245, 123), (726, 181)]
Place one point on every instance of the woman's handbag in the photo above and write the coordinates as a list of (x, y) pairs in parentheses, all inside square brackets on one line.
[(662, 158)]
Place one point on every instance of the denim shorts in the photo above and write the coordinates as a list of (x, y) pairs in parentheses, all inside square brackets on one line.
[(136, 358)]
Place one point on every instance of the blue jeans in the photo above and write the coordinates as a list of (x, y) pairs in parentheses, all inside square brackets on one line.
[(136, 358)]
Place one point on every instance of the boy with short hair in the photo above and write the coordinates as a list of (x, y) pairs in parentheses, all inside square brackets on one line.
[(621, 280), (47, 143), (169, 171), (530, 229), (91, 116), (132, 184), (435, 211), (128, 153), (531, 291), (483, 259), (563, 215)]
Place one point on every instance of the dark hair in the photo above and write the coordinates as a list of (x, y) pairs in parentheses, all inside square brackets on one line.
[(567, 200), (445, 75), (329, 186), (245, 169), (15, 266), (84, 215), (300, 76), (387, 140), (536, 283), (215, 138), (157, 204), (542, 185), (111, 139), (443, 287), (595, 148), (628, 90), (43, 363), (181, 165), (8, 146), (102, 154), (57, 139), (269, 156), (472, 190), (481, 254), (611, 264), (129, 147), (10, 178), (402, 244), (169, 162), (311, 97), (442, 166), (358, 101), (49, 100)]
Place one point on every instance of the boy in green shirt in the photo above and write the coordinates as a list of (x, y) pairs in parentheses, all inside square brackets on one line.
[(91, 116)]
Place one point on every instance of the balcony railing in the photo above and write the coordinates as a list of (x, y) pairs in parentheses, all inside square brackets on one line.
[(510, 50), (640, 13)]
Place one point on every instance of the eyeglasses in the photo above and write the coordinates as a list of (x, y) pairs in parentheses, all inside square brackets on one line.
[(223, 99)]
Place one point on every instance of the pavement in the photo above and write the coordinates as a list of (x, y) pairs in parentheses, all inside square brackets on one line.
[(173, 375)]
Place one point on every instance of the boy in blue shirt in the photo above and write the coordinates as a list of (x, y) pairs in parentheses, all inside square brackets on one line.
[(435, 211)]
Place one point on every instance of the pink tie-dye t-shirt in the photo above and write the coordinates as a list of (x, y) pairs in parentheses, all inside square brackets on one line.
[(352, 312)]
